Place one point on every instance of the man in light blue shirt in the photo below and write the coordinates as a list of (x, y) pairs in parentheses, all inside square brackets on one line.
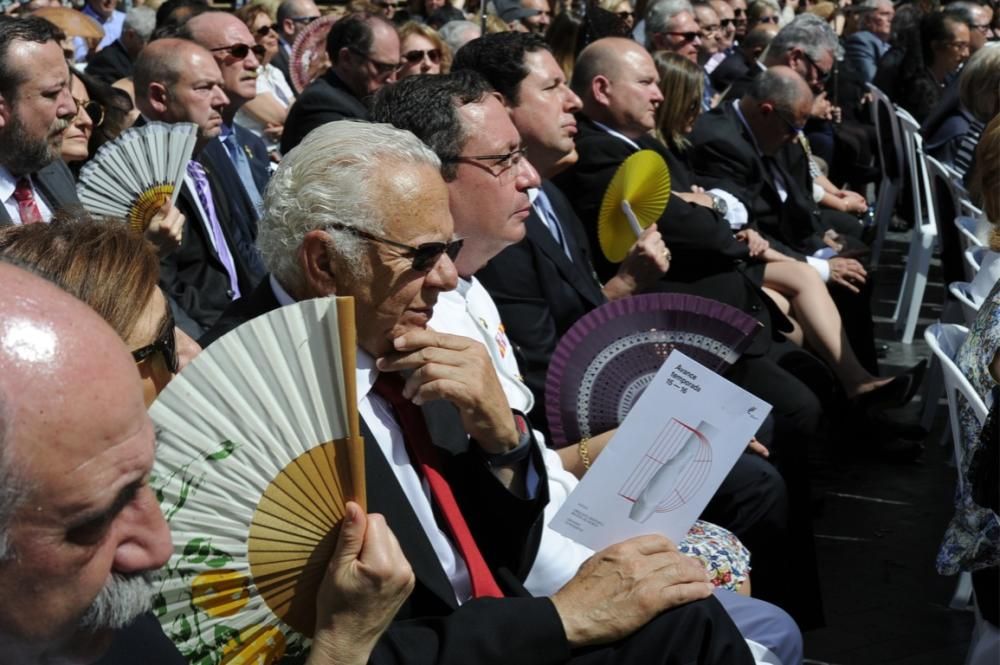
[(110, 20)]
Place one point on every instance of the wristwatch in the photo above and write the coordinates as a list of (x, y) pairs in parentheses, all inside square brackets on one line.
[(719, 204)]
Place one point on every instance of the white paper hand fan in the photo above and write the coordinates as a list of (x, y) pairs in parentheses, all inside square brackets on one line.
[(258, 451), (134, 175)]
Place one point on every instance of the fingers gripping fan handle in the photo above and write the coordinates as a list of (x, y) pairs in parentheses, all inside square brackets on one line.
[(635, 198), (258, 451), (604, 362)]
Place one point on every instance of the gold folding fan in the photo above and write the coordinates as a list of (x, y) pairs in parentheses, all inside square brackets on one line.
[(635, 198), (259, 449)]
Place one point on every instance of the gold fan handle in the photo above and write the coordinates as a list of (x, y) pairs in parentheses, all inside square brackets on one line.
[(147, 205)]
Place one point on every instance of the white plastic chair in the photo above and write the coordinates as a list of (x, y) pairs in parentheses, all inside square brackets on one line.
[(891, 161), (974, 258), (944, 340), (962, 292), (925, 231)]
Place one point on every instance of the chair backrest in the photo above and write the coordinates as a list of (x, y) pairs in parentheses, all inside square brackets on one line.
[(962, 292), (946, 202), (944, 339), (913, 147), (974, 258), (888, 134)]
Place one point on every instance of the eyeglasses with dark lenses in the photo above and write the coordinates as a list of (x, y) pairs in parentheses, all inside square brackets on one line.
[(738, 13), (821, 74), (726, 22), (381, 68), (415, 56), (768, 19), (625, 16), (685, 36), (263, 30), (241, 51), (423, 257), (93, 109), (164, 344), (304, 19)]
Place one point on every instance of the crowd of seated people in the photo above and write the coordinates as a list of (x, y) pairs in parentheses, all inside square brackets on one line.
[(445, 165)]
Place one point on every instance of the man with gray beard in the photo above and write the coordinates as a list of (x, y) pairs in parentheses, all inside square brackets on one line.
[(35, 107)]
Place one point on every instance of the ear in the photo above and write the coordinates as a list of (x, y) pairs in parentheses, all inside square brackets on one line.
[(158, 96), (600, 90), (343, 54), (318, 277), (287, 26), (766, 108)]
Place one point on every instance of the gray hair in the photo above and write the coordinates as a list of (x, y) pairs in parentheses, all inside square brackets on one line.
[(784, 91), (808, 32), (142, 21), (327, 181), (661, 13), (454, 33)]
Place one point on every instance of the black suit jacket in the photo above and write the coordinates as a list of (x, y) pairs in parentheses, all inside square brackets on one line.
[(111, 63), (193, 276), (280, 60), (723, 155), (733, 67), (55, 184), (430, 626), (326, 99), (541, 293), (243, 214), (707, 259), (249, 306)]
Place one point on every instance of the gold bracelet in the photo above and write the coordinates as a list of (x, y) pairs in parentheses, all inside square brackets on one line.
[(584, 455)]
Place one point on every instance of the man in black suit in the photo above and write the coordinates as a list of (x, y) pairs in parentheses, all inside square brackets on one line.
[(364, 50), (744, 57), (389, 245), (178, 81), (35, 108), (238, 157), (617, 82), (291, 18), (115, 61)]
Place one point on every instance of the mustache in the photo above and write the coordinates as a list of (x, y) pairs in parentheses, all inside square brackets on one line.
[(60, 124), (122, 600)]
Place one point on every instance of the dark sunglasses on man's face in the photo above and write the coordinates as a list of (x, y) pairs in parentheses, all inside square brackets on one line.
[(241, 51), (304, 19), (625, 16), (423, 257), (263, 30), (726, 22), (415, 56), (685, 36), (164, 344)]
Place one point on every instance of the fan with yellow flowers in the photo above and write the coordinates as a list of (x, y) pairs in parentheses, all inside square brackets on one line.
[(134, 175), (258, 450), (635, 198)]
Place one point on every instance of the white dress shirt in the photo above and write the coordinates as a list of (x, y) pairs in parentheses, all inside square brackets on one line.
[(7, 184)]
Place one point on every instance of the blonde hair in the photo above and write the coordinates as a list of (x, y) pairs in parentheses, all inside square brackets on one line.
[(431, 35), (682, 85), (986, 175)]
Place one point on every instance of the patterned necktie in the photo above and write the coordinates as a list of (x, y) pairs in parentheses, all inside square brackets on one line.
[(243, 169), (425, 458), (26, 206), (204, 192)]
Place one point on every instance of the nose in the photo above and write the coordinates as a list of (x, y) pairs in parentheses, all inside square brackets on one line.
[(251, 61), (66, 108), (144, 539), (221, 99), (573, 103), (527, 176), (657, 94), (443, 276), (186, 347), (83, 119)]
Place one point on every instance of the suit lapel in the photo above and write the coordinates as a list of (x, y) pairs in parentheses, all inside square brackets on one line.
[(391, 502)]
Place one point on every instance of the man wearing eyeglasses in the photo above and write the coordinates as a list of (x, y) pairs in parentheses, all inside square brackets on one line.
[(238, 157), (364, 50), (671, 26), (35, 107), (291, 18)]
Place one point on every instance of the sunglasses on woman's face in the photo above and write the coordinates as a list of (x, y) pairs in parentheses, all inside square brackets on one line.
[(416, 55), (164, 344), (92, 108), (263, 30)]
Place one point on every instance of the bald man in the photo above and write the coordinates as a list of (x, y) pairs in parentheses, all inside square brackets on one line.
[(79, 526), (238, 158), (178, 81)]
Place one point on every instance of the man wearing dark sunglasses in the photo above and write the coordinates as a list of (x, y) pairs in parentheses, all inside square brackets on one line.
[(671, 26), (238, 157), (364, 50)]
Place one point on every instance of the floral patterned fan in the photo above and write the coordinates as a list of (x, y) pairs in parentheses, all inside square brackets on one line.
[(258, 451)]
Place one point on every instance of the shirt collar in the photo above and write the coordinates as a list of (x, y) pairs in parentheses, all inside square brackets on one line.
[(365, 372), (97, 17), (753, 139), (226, 131), (280, 294), (616, 133), (7, 184)]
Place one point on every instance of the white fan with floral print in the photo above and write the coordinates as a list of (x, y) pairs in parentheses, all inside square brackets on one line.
[(258, 449)]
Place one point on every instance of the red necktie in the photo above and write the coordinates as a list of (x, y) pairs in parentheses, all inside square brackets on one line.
[(425, 457), (26, 205)]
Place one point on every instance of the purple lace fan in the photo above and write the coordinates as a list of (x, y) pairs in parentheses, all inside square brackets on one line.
[(604, 362)]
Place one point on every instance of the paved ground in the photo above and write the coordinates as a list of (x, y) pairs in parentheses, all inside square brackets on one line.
[(879, 526)]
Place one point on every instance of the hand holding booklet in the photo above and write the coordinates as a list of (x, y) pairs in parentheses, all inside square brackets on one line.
[(666, 460)]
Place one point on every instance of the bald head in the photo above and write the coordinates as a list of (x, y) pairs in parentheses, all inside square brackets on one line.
[(603, 58), (162, 61), (782, 87), (776, 107)]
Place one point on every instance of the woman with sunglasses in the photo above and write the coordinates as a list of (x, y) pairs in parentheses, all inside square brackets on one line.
[(763, 11), (116, 272), (265, 115), (422, 51)]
